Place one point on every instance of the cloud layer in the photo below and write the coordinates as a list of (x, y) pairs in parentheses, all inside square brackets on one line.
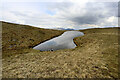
[(70, 14)]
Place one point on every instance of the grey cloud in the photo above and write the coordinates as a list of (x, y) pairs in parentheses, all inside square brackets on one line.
[(118, 9), (19, 13), (61, 5), (95, 13), (70, 14), (88, 18), (113, 8)]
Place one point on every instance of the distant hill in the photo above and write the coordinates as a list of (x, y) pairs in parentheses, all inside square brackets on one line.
[(96, 54), (64, 29)]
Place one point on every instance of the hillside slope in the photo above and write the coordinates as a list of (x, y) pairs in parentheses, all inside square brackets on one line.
[(96, 54), (17, 37)]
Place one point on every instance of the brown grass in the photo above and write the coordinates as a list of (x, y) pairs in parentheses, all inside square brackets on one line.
[(96, 54)]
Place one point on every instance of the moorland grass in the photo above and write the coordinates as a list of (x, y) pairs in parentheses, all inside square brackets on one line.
[(96, 54)]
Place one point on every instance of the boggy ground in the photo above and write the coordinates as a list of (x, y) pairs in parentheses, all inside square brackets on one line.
[(96, 54)]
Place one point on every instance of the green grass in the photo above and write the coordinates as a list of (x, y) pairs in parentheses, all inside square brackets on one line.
[(96, 54)]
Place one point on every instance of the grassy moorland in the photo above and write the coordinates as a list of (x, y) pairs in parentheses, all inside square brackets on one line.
[(96, 54)]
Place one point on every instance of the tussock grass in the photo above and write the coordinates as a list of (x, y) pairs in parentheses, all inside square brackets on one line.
[(96, 54), (18, 37)]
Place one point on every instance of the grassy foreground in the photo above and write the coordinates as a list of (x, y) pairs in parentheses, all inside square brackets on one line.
[(96, 54)]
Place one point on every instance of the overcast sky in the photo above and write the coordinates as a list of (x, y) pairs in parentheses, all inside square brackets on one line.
[(79, 14)]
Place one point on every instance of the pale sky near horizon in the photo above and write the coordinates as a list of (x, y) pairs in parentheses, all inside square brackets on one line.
[(60, 13)]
